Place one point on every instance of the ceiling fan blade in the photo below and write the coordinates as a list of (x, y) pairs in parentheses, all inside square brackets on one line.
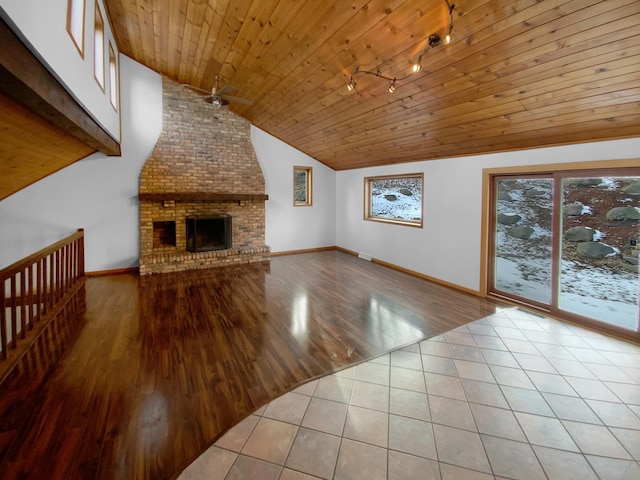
[(226, 89), (236, 99), (196, 89)]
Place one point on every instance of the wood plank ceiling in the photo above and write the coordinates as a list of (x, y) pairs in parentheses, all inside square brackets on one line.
[(518, 74), (32, 148)]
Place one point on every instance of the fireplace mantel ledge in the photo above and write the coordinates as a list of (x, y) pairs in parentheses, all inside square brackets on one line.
[(202, 197)]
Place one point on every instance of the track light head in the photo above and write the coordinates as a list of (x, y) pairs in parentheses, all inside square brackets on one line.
[(449, 36)]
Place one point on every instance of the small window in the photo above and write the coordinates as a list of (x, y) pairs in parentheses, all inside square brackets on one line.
[(75, 23), (113, 77), (394, 199), (98, 47), (301, 186)]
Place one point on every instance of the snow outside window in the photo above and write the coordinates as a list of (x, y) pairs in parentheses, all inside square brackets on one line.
[(394, 199)]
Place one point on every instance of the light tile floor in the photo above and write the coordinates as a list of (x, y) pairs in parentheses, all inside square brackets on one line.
[(512, 395)]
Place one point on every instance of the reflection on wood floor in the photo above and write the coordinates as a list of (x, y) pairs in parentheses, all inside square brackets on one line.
[(161, 366)]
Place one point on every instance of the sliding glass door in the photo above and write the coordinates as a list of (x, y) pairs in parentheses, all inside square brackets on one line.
[(568, 242), (598, 275), (523, 241)]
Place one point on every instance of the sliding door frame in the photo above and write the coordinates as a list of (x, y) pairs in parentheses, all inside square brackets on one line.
[(488, 206)]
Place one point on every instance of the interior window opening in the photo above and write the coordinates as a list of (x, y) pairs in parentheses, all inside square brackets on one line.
[(75, 23), (98, 38)]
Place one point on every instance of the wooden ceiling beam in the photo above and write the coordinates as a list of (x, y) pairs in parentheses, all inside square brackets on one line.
[(27, 81)]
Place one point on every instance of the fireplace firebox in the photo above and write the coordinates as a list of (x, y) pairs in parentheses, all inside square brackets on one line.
[(208, 233)]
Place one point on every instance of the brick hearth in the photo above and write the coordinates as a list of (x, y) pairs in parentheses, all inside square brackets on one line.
[(202, 165)]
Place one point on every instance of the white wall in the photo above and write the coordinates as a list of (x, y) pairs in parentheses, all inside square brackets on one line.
[(44, 24), (448, 247), (287, 227), (98, 193)]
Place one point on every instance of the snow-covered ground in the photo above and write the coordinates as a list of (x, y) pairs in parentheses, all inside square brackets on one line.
[(600, 294), (389, 199), (590, 292)]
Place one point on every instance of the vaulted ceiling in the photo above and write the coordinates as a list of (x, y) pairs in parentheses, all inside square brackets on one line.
[(519, 74)]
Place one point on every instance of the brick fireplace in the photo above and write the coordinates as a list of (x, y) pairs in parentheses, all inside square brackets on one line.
[(202, 167)]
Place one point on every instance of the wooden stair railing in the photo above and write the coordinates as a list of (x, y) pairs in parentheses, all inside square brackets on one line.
[(34, 291)]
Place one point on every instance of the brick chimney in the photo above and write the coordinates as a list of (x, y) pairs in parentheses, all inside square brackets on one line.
[(203, 166)]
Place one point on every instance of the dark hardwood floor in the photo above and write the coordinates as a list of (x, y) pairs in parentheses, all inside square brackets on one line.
[(160, 366)]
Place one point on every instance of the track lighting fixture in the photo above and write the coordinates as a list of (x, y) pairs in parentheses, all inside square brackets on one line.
[(448, 38), (352, 83), (433, 41)]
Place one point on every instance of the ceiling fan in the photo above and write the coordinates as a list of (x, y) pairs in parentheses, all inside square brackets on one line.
[(219, 97)]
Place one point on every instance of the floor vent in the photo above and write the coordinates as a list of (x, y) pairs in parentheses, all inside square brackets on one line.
[(365, 256)]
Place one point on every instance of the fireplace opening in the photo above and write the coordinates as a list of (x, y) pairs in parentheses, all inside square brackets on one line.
[(208, 233)]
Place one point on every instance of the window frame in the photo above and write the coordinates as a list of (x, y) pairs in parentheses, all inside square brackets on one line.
[(113, 77), (308, 186), (368, 200), (74, 6), (99, 47)]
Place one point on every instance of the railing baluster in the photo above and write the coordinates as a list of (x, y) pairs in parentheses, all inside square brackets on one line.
[(63, 272), (68, 268), (3, 321), (80, 241), (52, 276), (59, 266), (23, 303), (45, 285), (75, 259), (13, 310), (38, 293), (32, 297)]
